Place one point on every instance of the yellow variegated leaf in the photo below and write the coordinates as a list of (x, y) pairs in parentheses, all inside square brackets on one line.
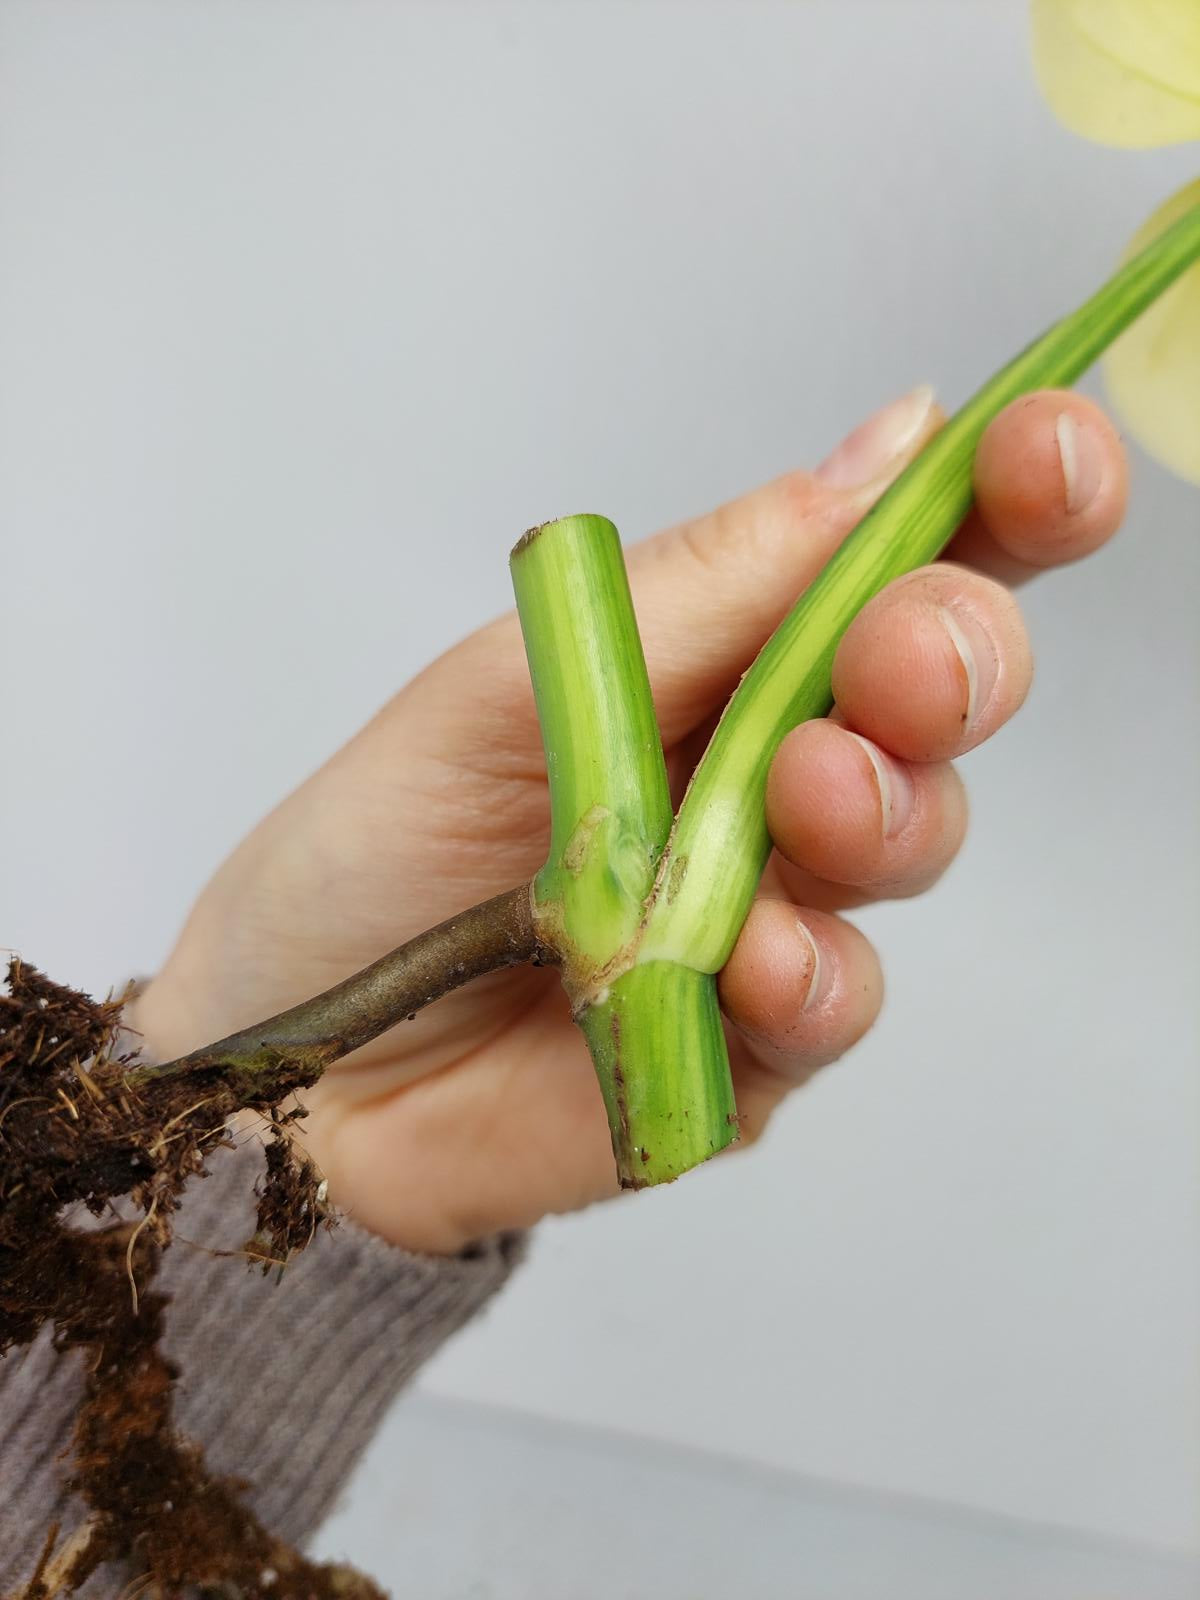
[(1153, 370), (1122, 72)]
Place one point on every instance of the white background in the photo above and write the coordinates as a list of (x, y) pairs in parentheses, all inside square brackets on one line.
[(306, 310)]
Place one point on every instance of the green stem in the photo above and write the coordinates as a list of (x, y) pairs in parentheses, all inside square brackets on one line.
[(644, 921), (655, 1036), (720, 845), (658, 1045), (643, 915)]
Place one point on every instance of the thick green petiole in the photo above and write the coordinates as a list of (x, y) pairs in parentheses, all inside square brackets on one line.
[(610, 809), (658, 1045), (719, 845), (654, 1032), (643, 913)]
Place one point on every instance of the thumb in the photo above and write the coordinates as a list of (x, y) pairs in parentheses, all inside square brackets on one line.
[(709, 592)]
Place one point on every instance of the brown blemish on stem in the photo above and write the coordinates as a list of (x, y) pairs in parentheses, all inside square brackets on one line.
[(579, 845), (622, 1149), (618, 1078), (676, 876)]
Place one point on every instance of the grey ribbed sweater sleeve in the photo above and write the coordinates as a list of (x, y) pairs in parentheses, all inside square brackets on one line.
[(283, 1382)]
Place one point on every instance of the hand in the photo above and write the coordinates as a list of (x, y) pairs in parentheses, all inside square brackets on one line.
[(483, 1113)]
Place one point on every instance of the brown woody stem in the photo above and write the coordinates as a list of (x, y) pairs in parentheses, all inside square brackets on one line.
[(494, 934)]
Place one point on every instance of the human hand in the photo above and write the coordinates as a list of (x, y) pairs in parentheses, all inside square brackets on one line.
[(483, 1113)]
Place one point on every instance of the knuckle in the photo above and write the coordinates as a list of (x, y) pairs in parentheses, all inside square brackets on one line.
[(704, 542)]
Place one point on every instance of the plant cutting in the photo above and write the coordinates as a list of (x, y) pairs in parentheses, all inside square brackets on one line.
[(638, 905), (638, 908)]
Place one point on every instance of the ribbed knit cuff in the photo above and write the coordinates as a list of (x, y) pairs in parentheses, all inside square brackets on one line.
[(284, 1382)]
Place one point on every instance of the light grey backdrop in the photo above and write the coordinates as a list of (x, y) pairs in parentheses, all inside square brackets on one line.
[(305, 311)]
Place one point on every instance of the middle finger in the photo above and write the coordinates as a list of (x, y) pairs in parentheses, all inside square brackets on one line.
[(846, 814)]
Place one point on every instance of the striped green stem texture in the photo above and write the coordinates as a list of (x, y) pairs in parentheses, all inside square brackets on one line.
[(646, 912), (654, 1032)]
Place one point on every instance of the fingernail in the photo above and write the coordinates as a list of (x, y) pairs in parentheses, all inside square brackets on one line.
[(1082, 462), (896, 793), (816, 978), (877, 443), (980, 663)]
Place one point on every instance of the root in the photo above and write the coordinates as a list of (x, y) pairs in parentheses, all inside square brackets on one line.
[(77, 1129)]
